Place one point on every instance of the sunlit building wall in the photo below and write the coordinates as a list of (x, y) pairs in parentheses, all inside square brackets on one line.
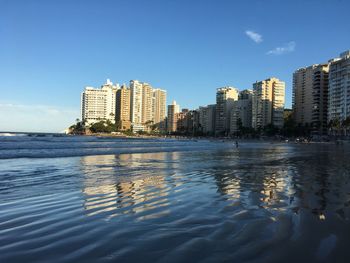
[(268, 103), (241, 114), (99, 104), (159, 108), (123, 108), (136, 102), (224, 104), (147, 104)]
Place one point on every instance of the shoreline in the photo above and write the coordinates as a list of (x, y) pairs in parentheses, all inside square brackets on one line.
[(222, 139), (263, 139)]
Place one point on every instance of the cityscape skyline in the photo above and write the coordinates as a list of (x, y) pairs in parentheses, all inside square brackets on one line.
[(140, 107), (189, 49)]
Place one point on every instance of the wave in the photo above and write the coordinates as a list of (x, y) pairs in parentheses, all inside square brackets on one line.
[(10, 134)]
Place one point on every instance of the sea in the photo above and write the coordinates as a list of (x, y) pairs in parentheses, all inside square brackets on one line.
[(107, 199)]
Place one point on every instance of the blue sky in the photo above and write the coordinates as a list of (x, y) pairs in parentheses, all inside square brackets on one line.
[(51, 50)]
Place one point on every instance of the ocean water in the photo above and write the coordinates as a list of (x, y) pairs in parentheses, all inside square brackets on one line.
[(88, 199)]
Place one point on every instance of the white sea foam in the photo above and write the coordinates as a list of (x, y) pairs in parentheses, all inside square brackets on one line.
[(10, 134)]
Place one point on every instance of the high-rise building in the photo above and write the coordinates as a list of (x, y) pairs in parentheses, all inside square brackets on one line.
[(99, 104), (182, 121), (302, 94), (224, 103), (173, 111), (310, 96), (139, 106), (136, 102), (319, 120), (192, 122), (147, 104), (123, 108), (207, 119), (159, 108), (268, 103), (339, 88), (241, 114)]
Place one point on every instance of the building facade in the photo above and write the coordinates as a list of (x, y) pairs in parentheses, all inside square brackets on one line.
[(99, 104), (302, 95), (319, 121), (268, 103), (123, 108), (136, 102), (173, 110), (159, 108), (225, 98), (310, 97), (241, 114), (137, 107), (207, 119), (339, 88), (147, 104)]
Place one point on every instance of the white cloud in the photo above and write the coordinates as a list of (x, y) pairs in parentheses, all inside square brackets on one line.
[(289, 47), (257, 38), (35, 118)]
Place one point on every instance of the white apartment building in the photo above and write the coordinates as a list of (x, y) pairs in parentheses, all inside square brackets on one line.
[(159, 108), (147, 104), (268, 103), (224, 104), (136, 102), (242, 110), (339, 88), (99, 104)]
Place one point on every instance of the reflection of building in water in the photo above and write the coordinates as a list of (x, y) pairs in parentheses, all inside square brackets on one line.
[(127, 183), (142, 194), (231, 188), (173, 160), (256, 183), (98, 169), (98, 184), (315, 179), (275, 189)]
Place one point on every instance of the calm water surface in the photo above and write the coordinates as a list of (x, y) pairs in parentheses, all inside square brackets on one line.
[(85, 199)]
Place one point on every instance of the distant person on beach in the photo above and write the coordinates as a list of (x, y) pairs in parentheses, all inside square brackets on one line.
[(236, 144)]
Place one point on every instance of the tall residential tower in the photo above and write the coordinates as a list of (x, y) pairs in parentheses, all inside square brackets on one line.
[(159, 108), (268, 103), (339, 88), (310, 96), (136, 102), (122, 116), (173, 111), (99, 104), (224, 104)]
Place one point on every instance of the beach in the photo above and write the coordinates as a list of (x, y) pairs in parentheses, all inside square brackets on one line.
[(91, 199)]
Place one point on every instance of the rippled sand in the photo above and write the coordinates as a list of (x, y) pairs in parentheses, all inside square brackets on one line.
[(199, 202)]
